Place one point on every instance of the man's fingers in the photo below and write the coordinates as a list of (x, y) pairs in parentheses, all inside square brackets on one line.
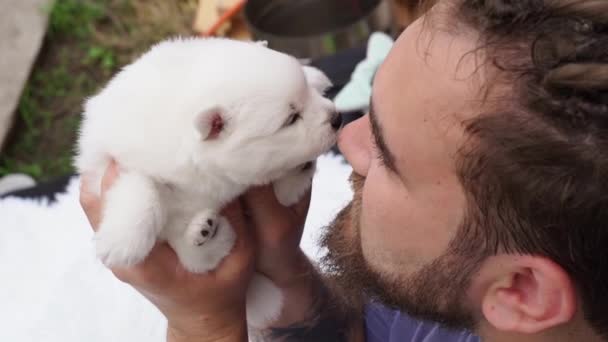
[(241, 258), (90, 202), (234, 212), (273, 223), (155, 269), (264, 198), (263, 207), (301, 208), (109, 177)]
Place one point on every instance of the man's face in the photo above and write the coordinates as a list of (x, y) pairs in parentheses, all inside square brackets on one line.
[(397, 239)]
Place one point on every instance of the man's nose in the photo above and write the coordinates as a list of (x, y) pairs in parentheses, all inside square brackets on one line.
[(336, 121), (354, 142)]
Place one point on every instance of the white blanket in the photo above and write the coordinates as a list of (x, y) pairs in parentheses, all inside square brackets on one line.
[(54, 290)]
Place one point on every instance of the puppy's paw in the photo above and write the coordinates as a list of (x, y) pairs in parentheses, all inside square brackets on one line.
[(132, 220), (294, 185), (122, 250), (203, 227), (264, 302), (205, 257)]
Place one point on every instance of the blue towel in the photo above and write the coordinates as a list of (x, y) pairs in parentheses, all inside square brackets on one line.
[(356, 94)]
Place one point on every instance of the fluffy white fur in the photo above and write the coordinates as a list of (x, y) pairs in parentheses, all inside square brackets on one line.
[(56, 290), (194, 123)]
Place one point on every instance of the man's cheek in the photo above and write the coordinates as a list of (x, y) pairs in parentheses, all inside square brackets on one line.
[(372, 232), (377, 205)]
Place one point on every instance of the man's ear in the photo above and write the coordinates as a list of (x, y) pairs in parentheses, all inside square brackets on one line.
[(210, 123), (317, 79), (528, 294)]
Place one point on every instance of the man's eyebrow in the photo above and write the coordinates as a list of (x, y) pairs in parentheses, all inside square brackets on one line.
[(385, 155)]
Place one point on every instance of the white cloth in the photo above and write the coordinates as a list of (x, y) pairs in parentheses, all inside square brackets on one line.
[(54, 290)]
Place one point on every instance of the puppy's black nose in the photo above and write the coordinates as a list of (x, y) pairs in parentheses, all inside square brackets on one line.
[(336, 121)]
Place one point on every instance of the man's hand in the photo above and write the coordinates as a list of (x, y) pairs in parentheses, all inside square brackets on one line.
[(309, 310), (201, 307), (278, 231)]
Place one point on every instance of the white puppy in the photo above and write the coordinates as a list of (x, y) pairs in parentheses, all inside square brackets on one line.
[(194, 123)]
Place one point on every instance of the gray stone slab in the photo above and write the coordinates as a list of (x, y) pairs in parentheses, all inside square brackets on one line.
[(23, 24)]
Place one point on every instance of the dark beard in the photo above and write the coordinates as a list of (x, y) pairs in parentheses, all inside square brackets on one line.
[(436, 292)]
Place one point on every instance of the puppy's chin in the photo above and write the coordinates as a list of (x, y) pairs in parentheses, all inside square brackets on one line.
[(327, 141)]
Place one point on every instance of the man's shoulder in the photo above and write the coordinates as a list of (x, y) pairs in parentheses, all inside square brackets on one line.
[(385, 325)]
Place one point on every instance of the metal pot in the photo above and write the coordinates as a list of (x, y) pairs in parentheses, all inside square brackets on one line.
[(316, 28)]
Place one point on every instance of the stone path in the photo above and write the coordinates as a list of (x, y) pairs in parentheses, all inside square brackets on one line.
[(23, 24)]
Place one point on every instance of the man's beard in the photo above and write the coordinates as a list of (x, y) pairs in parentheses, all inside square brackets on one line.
[(436, 292)]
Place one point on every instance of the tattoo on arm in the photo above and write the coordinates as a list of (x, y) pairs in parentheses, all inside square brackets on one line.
[(328, 322)]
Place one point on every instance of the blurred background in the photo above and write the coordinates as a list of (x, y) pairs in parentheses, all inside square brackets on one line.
[(57, 53)]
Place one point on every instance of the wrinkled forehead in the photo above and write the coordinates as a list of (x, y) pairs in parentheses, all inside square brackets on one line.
[(424, 92), (437, 65)]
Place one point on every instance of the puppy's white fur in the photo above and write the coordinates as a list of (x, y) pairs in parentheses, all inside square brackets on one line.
[(194, 123)]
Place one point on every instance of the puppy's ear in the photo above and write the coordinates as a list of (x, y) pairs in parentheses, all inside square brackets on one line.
[(210, 123), (316, 78)]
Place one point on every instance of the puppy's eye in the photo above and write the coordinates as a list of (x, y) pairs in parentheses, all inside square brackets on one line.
[(292, 119)]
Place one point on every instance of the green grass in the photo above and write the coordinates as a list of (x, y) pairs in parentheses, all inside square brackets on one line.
[(86, 43), (74, 18)]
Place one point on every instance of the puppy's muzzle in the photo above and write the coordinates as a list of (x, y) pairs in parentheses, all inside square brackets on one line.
[(336, 121)]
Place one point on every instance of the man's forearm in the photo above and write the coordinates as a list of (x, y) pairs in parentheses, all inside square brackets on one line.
[(313, 313), (237, 333)]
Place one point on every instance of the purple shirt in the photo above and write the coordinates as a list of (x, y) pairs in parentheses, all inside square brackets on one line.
[(384, 325)]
